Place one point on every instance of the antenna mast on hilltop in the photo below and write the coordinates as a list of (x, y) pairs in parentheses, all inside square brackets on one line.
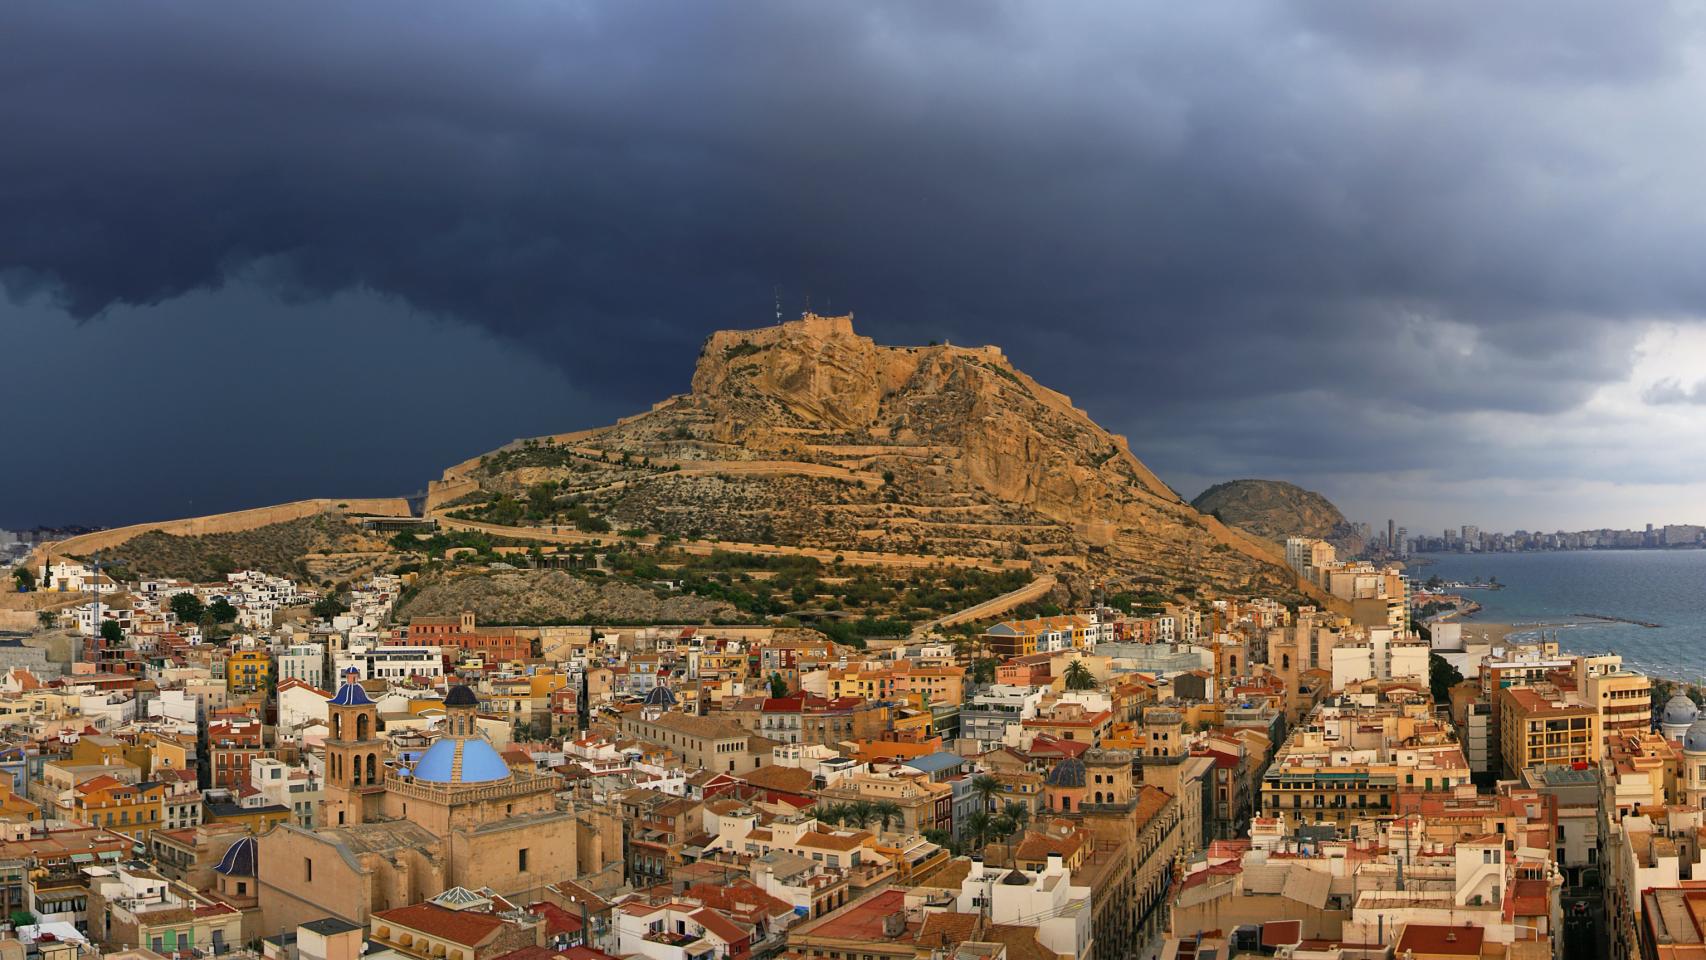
[(777, 290)]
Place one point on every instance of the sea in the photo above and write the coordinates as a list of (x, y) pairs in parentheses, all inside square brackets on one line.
[(1552, 591)]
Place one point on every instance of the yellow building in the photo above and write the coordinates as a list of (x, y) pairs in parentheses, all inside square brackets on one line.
[(171, 752), (132, 809), (1540, 726), (862, 681), (1623, 697), (248, 671)]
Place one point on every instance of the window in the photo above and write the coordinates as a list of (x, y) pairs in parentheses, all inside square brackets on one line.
[(521, 860), (308, 862)]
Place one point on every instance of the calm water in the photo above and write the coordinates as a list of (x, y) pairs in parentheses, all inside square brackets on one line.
[(1667, 587)]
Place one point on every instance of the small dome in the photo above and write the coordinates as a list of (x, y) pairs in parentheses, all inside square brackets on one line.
[(351, 694), (461, 696), (1015, 879), (661, 696), (461, 760), (239, 859), (1694, 740), (1067, 773), (1680, 711)]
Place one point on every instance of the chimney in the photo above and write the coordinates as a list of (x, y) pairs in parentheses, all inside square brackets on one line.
[(1056, 865), (976, 869)]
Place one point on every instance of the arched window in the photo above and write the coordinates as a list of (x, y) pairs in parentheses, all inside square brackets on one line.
[(373, 768), (361, 726)]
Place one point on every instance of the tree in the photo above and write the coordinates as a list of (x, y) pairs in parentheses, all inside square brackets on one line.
[(830, 812), (778, 686), (111, 632), (26, 579), (1017, 812), (1002, 827), (887, 812), (986, 787), (224, 612), (1079, 677), (1442, 676), (983, 670), (187, 606), (327, 607), (860, 813), (943, 838), (46, 618), (977, 829)]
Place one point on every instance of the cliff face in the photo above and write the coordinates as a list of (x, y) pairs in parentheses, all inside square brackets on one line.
[(1275, 510), (807, 433)]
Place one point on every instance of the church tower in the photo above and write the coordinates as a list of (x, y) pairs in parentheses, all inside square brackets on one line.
[(355, 769)]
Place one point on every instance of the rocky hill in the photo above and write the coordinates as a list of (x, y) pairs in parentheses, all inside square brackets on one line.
[(552, 596), (1275, 510), (807, 434), (318, 548)]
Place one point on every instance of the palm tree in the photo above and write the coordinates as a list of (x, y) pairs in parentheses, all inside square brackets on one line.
[(859, 813), (1079, 677), (886, 812), (832, 813), (1017, 812), (977, 827), (1002, 826), (986, 787)]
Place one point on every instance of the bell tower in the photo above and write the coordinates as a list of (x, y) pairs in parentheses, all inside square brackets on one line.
[(355, 772)]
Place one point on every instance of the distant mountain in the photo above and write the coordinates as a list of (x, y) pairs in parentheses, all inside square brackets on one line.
[(807, 435), (1275, 510)]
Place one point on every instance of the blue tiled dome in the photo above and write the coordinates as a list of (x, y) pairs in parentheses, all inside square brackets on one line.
[(239, 859), (351, 694), (661, 696), (1694, 740), (479, 762), (1067, 773)]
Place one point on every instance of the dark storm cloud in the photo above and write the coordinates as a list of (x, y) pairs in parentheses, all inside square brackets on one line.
[(1181, 214)]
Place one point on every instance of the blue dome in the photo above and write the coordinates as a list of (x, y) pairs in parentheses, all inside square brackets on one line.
[(239, 859), (461, 760), (661, 696), (1694, 739), (351, 694), (1680, 711), (1067, 773)]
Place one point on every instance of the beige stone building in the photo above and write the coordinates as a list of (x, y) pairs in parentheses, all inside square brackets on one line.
[(397, 834)]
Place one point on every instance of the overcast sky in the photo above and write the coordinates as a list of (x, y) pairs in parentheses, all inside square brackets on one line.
[(1440, 261)]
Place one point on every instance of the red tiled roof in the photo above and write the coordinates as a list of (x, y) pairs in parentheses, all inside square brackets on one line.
[(1430, 938), (458, 926), (727, 930), (557, 920)]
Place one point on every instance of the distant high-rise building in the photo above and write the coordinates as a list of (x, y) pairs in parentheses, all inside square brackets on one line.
[(1471, 537), (1391, 535), (1403, 542)]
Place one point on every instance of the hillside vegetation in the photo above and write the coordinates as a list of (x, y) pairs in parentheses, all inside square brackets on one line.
[(279, 548)]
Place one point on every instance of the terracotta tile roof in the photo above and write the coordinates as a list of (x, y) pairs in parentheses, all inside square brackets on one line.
[(832, 841), (457, 926), (1430, 938), (727, 930), (783, 779), (947, 929)]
